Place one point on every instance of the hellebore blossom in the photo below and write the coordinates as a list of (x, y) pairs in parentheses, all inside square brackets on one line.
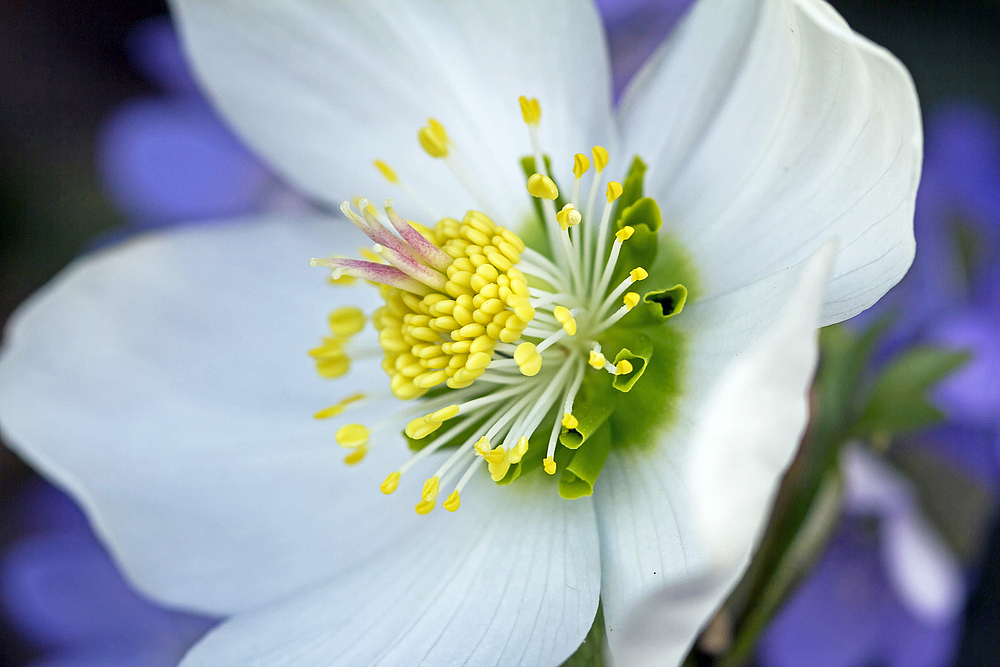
[(592, 330)]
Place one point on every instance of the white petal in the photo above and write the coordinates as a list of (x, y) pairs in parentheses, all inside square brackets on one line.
[(678, 523), (323, 88), (166, 384), (511, 578), (770, 127)]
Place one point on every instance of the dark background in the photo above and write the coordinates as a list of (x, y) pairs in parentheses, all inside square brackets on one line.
[(63, 69)]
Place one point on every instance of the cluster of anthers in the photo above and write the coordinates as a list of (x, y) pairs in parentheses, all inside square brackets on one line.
[(492, 337)]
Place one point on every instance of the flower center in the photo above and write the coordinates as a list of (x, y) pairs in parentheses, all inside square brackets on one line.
[(502, 346)]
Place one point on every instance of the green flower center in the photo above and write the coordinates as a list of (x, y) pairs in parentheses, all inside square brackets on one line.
[(546, 352)]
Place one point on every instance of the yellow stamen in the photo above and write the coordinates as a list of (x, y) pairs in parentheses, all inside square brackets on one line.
[(352, 435), (517, 452), (391, 483), (346, 321), (600, 158), (338, 408), (580, 165), (495, 455), (564, 318), (638, 273), (528, 359), (343, 281), (452, 502), (568, 217), (371, 256), (540, 185), (356, 456), (625, 233), (597, 360), (424, 507), (569, 421), (614, 191), (387, 172), (531, 111), (430, 490), (549, 464), (434, 139), (482, 446), (421, 427), (631, 299), (623, 367)]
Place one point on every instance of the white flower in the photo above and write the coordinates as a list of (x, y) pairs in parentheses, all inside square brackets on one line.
[(164, 382)]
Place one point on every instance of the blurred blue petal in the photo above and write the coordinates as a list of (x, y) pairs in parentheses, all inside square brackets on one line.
[(154, 49), (62, 593), (971, 395)]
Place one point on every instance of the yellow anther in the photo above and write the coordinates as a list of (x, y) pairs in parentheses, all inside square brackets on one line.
[(496, 455), (638, 273), (444, 413), (352, 435), (568, 217), (600, 158), (424, 507), (430, 490), (625, 233), (346, 321), (564, 318), (540, 185), (356, 456), (517, 452), (528, 359), (623, 367), (371, 256), (343, 281), (452, 502), (482, 446), (391, 483), (631, 299), (338, 408), (434, 139), (569, 421), (387, 172), (531, 111), (421, 427), (549, 463), (580, 165), (614, 191), (597, 360)]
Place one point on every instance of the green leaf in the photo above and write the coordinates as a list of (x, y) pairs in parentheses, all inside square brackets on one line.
[(578, 476), (898, 402)]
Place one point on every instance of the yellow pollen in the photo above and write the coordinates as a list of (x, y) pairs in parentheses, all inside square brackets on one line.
[(346, 321), (625, 233), (352, 435), (482, 446), (387, 172), (338, 408), (623, 367), (569, 421), (356, 456), (531, 111), (564, 318), (631, 299), (449, 335), (580, 165), (452, 502), (549, 463), (638, 273), (496, 455), (600, 158), (540, 185), (597, 360), (424, 507), (568, 217), (614, 191), (431, 487), (528, 359), (391, 483), (434, 139)]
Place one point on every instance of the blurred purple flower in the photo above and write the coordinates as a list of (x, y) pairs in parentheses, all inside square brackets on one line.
[(168, 158), (887, 591), (63, 594)]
